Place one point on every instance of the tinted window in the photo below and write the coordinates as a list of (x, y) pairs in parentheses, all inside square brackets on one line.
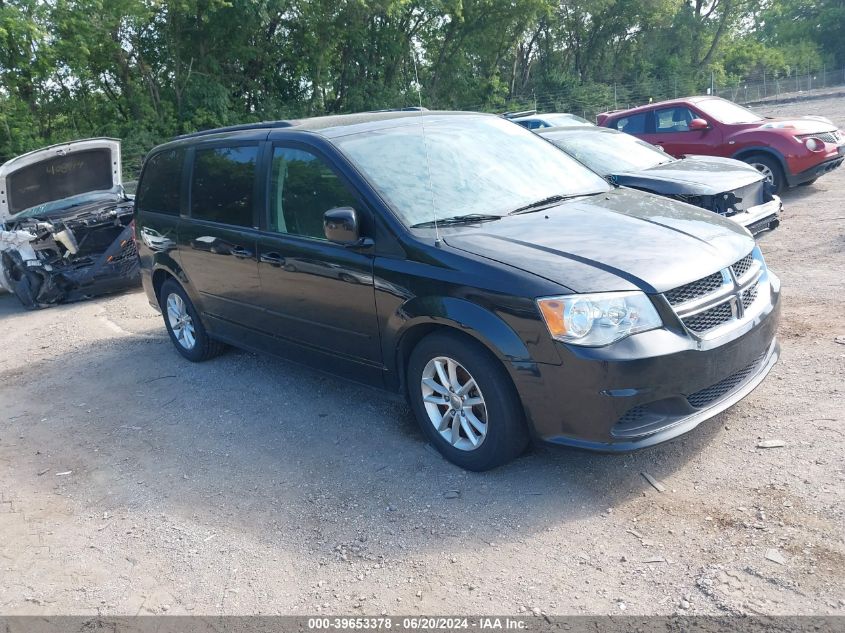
[(61, 177), (222, 184), (302, 189), (673, 119), (160, 188), (634, 124)]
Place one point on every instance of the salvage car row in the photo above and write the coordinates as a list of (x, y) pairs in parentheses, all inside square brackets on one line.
[(458, 260)]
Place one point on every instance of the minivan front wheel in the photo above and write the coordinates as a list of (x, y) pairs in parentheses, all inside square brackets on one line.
[(183, 324), (465, 402)]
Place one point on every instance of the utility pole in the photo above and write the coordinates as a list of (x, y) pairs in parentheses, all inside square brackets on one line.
[(712, 85)]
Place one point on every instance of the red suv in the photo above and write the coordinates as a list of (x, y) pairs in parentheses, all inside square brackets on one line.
[(789, 152)]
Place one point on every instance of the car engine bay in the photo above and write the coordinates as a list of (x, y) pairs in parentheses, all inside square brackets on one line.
[(89, 251)]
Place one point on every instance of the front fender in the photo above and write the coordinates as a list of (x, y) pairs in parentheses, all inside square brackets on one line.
[(465, 316), (422, 315)]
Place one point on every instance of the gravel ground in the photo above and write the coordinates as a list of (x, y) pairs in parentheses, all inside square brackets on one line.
[(133, 482)]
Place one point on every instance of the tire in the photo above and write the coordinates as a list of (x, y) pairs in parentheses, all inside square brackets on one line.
[(191, 339), (497, 423), (770, 168), (808, 183)]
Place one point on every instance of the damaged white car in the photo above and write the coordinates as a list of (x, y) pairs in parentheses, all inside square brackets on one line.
[(65, 224)]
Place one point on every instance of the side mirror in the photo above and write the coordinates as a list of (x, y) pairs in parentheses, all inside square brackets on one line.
[(699, 124), (341, 225)]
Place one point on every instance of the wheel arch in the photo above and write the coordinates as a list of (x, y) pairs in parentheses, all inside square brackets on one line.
[(454, 315), (166, 267), (747, 152)]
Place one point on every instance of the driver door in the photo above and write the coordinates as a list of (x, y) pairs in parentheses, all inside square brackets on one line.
[(317, 294), (671, 131)]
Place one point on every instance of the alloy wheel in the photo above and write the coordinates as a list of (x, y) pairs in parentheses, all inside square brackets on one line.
[(180, 321), (766, 171), (454, 403)]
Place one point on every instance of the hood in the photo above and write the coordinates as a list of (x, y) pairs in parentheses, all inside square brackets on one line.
[(50, 176), (619, 240), (692, 176), (799, 125)]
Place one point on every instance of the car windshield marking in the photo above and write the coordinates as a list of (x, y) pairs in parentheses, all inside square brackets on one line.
[(457, 219)]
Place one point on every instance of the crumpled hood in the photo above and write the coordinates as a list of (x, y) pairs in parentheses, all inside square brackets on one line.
[(60, 172), (619, 240), (692, 175)]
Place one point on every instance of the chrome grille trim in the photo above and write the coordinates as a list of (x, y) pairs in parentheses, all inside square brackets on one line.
[(711, 318), (696, 289), (749, 295), (743, 267), (721, 308)]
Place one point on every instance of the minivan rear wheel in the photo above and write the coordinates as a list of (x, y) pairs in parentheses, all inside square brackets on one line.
[(183, 324), (465, 402)]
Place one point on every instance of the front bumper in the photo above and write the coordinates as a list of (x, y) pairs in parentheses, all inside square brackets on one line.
[(818, 170), (648, 388), (762, 218)]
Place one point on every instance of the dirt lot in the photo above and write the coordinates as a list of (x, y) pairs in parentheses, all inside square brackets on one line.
[(133, 482)]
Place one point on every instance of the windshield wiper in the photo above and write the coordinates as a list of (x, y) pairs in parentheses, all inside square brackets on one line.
[(456, 219), (546, 202)]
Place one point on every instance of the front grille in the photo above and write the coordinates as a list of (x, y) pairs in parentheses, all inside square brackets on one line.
[(709, 319), (827, 137), (695, 289), (715, 392), (749, 295), (743, 266), (717, 299)]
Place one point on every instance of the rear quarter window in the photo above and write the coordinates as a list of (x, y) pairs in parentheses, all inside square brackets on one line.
[(160, 187)]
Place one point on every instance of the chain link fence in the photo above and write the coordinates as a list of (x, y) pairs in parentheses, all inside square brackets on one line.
[(588, 101)]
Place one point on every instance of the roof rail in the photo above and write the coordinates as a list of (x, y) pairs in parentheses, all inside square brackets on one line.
[(237, 128), (405, 109), (513, 115)]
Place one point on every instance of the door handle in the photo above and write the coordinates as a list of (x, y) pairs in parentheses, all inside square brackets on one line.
[(274, 259), (240, 252)]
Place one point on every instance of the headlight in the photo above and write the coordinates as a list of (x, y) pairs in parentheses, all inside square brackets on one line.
[(598, 319), (813, 144)]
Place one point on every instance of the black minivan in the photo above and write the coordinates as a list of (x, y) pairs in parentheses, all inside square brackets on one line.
[(460, 260)]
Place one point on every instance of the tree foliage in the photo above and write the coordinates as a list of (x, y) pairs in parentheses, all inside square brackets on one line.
[(145, 70)]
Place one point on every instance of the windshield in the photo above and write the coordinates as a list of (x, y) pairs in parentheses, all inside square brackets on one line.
[(609, 153), (728, 112), (565, 119), (478, 165)]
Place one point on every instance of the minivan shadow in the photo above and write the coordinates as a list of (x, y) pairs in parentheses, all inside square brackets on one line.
[(255, 441)]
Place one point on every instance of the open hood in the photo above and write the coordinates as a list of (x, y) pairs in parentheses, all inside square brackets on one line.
[(40, 181)]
